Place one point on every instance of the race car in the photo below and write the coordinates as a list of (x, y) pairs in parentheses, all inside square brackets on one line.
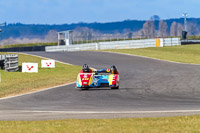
[(94, 80)]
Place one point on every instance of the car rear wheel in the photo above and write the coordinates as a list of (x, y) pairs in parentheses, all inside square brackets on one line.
[(115, 87), (84, 88)]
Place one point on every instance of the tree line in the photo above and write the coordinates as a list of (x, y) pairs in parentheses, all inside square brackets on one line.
[(94, 31)]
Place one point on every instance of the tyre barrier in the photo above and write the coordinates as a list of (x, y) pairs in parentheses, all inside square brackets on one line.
[(2, 61), (9, 62)]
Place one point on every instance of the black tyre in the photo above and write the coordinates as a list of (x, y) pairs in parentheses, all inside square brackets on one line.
[(115, 87), (84, 89)]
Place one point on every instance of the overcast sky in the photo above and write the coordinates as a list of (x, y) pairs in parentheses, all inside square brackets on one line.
[(73, 11)]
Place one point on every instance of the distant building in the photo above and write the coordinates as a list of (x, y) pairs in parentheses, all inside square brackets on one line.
[(65, 37)]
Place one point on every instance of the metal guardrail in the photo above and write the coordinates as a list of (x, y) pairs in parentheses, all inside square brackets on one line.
[(190, 41), (171, 41), (186, 42), (9, 63), (126, 44), (22, 49)]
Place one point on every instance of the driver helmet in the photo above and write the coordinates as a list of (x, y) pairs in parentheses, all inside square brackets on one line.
[(85, 68), (113, 69)]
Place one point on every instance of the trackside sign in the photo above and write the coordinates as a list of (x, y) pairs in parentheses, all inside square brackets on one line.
[(48, 63), (30, 67)]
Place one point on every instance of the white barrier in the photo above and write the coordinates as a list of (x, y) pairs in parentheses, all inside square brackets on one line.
[(127, 44)]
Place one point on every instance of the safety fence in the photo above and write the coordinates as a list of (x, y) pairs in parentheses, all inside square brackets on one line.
[(126, 44), (170, 41), (23, 49), (187, 42), (9, 63)]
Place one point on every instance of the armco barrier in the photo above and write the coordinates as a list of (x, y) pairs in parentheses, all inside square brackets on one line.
[(117, 45), (23, 49), (171, 41), (11, 63), (187, 42)]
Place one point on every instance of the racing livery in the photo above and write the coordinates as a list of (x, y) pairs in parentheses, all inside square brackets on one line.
[(97, 79)]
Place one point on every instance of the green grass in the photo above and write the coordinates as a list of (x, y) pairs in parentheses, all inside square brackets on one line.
[(29, 45), (193, 37), (186, 124), (184, 53), (13, 83)]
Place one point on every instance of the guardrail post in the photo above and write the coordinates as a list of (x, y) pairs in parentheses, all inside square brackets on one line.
[(161, 42), (97, 46), (171, 42)]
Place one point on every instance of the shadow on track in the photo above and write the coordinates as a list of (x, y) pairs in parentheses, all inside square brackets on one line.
[(98, 89)]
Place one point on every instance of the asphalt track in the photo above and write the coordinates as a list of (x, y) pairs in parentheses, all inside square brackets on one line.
[(148, 88)]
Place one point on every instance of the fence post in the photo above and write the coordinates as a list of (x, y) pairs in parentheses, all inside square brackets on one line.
[(97, 46), (171, 41)]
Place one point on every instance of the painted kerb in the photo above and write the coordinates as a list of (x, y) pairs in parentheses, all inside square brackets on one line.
[(127, 44)]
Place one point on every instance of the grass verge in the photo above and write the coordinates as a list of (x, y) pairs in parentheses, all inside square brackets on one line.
[(184, 53), (29, 45), (184, 124), (13, 83)]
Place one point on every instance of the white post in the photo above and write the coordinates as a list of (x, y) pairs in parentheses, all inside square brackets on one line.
[(161, 42), (97, 46)]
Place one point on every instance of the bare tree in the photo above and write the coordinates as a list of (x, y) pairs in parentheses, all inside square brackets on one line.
[(193, 29), (173, 29), (179, 29), (163, 29), (51, 36), (83, 33), (176, 29), (140, 33), (149, 29), (20, 41)]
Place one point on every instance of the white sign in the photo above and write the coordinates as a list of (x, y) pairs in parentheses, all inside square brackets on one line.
[(48, 63), (30, 67)]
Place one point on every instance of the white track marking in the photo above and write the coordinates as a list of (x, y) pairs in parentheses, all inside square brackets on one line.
[(54, 59), (54, 87), (110, 112), (47, 58), (150, 58), (38, 91)]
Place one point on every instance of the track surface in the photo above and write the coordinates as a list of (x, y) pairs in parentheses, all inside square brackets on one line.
[(148, 88)]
